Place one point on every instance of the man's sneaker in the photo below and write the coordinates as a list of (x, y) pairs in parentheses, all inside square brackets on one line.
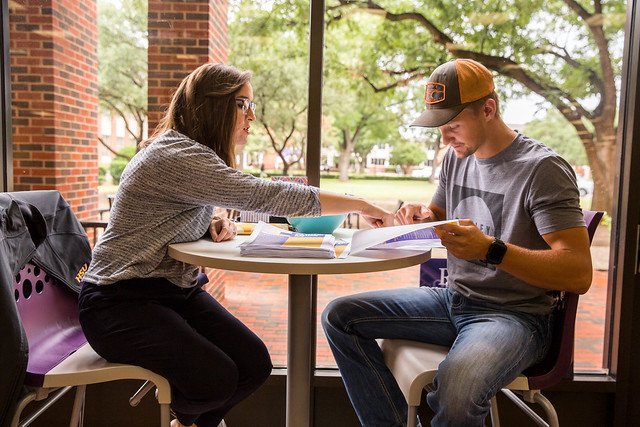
[(222, 424)]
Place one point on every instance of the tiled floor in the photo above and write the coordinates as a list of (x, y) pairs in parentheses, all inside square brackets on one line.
[(260, 300)]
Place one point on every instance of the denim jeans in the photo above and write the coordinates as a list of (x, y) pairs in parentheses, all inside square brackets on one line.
[(489, 348)]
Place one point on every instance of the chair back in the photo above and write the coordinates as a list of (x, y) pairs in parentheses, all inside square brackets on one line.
[(558, 363), (49, 314)]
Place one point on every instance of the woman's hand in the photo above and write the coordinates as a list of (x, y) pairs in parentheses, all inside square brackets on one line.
[(414, 213), (376, 216), (222, 229)]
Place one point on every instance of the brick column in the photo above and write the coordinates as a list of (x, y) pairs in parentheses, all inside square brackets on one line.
[(55, 99), (182, 35)]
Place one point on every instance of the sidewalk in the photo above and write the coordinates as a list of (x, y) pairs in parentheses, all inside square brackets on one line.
[(260, 301)]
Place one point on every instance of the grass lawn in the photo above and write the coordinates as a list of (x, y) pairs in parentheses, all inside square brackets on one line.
[(385, 192)]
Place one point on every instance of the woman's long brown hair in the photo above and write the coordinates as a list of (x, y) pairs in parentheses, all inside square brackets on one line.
[(204, 108)]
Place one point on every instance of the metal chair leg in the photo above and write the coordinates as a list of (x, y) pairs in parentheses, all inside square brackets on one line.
[(51, 397), (542, 401), (412, 416), (26, 399), (77, 413), (552, 415), (165, 415), (493, 411), (142, 391)]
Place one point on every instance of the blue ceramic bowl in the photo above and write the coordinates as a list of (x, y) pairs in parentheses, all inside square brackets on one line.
[(324, 224)]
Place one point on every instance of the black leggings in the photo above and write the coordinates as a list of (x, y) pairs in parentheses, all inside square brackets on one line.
[(210, 358)]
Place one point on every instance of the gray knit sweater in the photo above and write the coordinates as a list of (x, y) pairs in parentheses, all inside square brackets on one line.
[(168, 194)]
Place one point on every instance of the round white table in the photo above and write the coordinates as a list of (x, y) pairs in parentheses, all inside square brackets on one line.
[(302, 304)]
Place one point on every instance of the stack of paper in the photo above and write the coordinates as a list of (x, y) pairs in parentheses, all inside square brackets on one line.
[(269, 241)]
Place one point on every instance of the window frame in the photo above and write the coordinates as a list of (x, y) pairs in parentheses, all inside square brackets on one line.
[(622, 320), (6, 158), (622, 349)]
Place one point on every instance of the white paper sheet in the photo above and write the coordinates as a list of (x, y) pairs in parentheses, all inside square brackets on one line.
[(375, 238)]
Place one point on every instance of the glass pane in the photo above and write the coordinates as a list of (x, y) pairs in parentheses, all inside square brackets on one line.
[(64, 118), (271, 40), (550, 86)]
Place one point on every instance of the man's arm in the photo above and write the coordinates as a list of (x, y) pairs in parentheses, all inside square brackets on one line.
[(565, 266)]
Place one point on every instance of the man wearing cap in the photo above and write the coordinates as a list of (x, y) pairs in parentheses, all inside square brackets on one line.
[(521, 236)]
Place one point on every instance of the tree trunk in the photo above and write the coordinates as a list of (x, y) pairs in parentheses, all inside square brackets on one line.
[(285, 167), (346, 148), (343, 165), (601, 151)]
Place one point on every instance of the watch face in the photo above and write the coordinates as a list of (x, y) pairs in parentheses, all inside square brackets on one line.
[(496, 252)]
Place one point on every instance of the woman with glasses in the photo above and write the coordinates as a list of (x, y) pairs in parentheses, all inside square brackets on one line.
[(138, 305)]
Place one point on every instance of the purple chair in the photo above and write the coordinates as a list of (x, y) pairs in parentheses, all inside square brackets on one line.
[(414, 364), (59, 356)]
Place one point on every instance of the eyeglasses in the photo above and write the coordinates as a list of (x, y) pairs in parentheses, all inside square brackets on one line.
[(246, 105)]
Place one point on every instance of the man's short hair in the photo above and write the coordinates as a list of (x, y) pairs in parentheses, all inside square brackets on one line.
[(479, 103)]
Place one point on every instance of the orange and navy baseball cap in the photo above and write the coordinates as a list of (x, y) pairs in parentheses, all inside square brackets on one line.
[(450, 88)]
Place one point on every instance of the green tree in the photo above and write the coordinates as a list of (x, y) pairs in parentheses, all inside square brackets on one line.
[(120, 162), (122, 63), (270, 40), (407, 154), (361, 116), (526, 42), (556, 133)]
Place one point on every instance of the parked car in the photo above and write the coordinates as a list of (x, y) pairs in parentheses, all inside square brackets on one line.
[(424, 172), (585, 186)]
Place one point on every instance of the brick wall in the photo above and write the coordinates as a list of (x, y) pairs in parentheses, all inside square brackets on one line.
[(182, 36), (55, 99)]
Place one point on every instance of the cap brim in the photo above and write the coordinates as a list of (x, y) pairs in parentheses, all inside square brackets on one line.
[(436, 117)]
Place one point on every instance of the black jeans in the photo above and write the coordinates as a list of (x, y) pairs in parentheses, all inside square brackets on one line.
[(210, 358)]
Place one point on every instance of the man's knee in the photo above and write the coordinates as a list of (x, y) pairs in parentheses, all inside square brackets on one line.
[(337, 313)]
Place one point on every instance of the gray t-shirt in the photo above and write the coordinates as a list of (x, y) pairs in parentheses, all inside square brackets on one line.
[(523, 192), (168, 194)]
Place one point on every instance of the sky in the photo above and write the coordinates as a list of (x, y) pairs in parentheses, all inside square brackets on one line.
[(522, 110)]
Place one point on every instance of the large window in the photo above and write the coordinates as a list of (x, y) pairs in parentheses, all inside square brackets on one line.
[(77, 113), (551, 87)]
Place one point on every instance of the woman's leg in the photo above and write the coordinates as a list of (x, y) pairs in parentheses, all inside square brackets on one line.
[(141, 322), (353, 323), (238, 342)]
